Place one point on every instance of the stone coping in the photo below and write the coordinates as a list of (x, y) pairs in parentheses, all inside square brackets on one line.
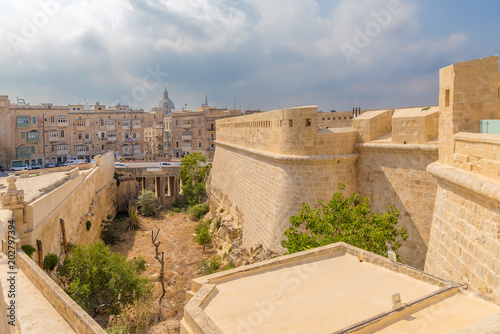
[(478, 137), (472, 183), (289, 158), (79, 320), (433, 148), (205, 287)]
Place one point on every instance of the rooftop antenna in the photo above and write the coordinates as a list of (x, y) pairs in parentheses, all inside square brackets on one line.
[(356, 95), (356, 111)]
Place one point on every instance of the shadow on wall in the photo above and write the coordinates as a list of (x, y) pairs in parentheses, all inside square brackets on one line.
[(400, 179)]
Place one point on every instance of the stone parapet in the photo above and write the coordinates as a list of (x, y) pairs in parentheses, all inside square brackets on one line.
[(291, 131)]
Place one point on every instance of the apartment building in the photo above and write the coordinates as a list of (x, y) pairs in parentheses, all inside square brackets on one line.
[(47, 133), (189, 131)]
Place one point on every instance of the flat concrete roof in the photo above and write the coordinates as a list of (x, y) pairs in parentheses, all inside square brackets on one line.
[(36, 185), (315, 296), (336, 288)]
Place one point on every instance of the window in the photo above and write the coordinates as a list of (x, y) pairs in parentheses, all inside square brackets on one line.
[(53, 134), (308, 122), (62, 119), (87, 135), (33, 149), (177, 144), (23, 152), (33, 137), (52, 119), (199, 132), (62, 133), (199, 144), (23, 121), (110, 122), (52, 148), (447, 98), (81, 149), (23, 135), (102, 122), (81, 122), (290, 122), (79, 136), (33, 119)]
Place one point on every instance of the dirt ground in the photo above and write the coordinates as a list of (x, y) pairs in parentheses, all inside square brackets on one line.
[(182, 256)]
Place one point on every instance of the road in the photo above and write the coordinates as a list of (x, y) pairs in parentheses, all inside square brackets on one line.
[(147, 164)]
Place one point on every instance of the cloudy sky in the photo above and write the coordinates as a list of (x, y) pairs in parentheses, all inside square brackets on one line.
[(265, 54)]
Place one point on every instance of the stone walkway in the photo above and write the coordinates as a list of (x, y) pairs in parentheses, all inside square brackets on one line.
[(35, 314)]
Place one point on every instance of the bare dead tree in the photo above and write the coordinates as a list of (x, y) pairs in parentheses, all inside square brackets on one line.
[(156, 244), (162, 267)]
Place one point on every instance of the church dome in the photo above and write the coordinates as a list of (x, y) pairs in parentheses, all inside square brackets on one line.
[(166, 104)]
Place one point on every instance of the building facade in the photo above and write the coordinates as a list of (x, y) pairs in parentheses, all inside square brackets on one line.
[(188, 131), (46, 133)]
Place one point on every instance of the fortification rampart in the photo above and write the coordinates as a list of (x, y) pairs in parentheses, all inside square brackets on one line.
[(263, 185)]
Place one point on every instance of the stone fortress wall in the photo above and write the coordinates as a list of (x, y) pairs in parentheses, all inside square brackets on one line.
[(465, 234), (445, 183), (268, 164)]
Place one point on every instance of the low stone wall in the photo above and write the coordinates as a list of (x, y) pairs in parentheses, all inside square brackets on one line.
[(391, 174), (465, 237), (76, 317)]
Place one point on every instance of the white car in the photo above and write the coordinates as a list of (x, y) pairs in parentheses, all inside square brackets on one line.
[(119, 164), (20, 167)]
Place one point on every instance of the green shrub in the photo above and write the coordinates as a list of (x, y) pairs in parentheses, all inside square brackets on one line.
[(202, 225), (139, 263), (346, 219), (230, 265), (207, 267), (109, 217), (149, 204), (50, 262), (197, 211), (28, 249), (203, 238), (217, 223), (113, 230), (133, 219), (102, 281), (88, 224)]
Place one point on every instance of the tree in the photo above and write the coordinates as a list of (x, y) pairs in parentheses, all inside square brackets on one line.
[(149, 204), (346, 219), (99, 280), (203, 238), (193, 174)]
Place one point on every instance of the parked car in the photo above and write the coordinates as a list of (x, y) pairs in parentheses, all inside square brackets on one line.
[(61, 164), (165, 164), (50, 165), (20, 167), (36, 166), (119, 164), (1, 169)]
